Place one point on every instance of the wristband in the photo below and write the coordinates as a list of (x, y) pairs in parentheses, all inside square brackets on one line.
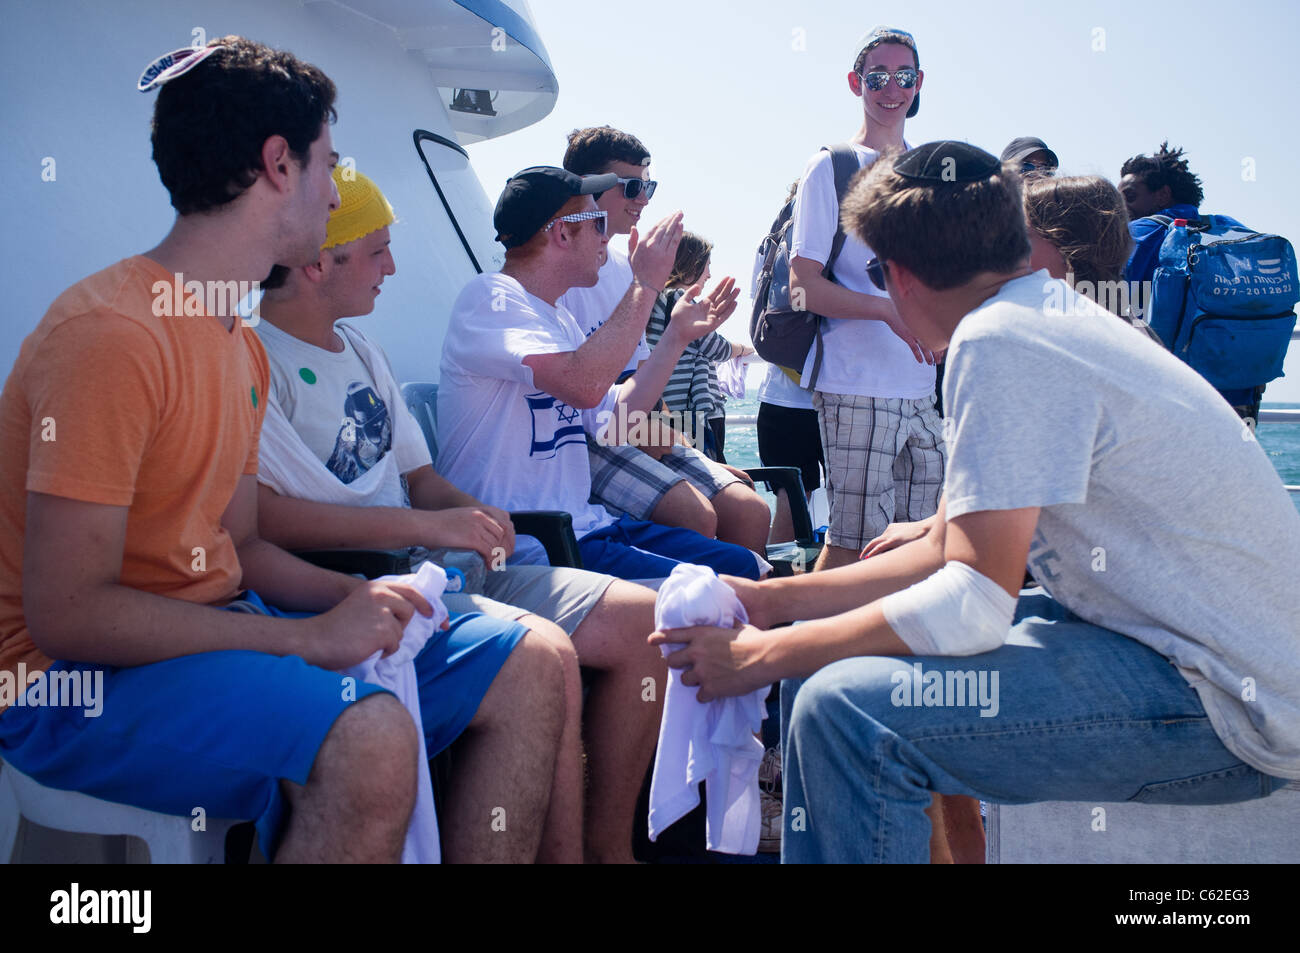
[(645, 284)]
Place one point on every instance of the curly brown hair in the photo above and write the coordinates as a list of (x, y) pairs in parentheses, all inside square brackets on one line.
[(209, 124), (1085, 218), (1167, 167)]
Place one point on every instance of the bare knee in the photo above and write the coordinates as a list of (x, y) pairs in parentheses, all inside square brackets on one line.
[(528, 691), (559, 640), (686, 507), (370, 755), (743, 516)]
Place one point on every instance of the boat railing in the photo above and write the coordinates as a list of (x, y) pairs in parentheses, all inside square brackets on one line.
[(1266, 416)]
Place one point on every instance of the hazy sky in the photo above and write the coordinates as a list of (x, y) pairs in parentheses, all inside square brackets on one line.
[(732, 98)]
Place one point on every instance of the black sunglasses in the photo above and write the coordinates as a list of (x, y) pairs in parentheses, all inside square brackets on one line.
[(876, 272)]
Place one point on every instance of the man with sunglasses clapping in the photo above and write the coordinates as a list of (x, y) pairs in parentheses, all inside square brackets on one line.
[(665, 481)]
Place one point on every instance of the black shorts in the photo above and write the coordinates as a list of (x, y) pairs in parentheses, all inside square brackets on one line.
[(790, 437)]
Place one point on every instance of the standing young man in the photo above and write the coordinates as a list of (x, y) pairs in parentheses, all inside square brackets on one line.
[(680, 486), (128, 522), (1133, 677), (326, 485), (874, 392)]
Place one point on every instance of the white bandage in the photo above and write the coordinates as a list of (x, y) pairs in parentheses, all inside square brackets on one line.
[(957, 611)]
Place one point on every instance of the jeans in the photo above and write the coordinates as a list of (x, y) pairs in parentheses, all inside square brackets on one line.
[(1063, 711)]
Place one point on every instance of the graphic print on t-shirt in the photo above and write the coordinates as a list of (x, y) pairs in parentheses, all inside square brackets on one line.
[(555, 423), (365, 436)]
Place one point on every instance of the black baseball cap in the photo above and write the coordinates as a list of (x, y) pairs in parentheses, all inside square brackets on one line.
[(1020, 149), (533, 196)]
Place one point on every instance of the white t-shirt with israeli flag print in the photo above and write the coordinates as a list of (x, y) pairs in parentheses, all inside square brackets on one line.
[(500, 438)]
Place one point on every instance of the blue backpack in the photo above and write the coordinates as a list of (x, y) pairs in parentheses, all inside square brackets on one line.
[(1223, 299)]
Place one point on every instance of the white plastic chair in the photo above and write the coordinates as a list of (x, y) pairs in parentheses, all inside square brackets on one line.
[(170, 839)]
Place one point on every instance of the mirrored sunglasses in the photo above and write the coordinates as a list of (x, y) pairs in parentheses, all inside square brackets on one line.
[(877, 80)]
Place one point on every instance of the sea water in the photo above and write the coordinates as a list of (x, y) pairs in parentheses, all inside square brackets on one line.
[(1281, 441)]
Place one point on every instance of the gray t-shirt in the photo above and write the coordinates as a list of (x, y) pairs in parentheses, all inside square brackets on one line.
[(1162, 518)]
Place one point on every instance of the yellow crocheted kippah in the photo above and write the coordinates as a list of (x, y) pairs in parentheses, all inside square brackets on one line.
[(362, 208)]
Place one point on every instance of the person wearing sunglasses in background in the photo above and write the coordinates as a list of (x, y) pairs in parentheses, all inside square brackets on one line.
[(660, 479), (875, 390), (1031, 157), (522, 385)]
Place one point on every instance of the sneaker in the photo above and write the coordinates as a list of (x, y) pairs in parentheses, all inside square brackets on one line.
[(771, 806), (769, 772), (772, 810)]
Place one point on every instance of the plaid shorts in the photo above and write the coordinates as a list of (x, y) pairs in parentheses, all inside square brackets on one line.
[(885, 458), (627, 480)]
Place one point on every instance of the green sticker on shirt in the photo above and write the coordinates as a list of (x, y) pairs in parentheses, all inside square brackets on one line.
[(306, 374), (253, 391)]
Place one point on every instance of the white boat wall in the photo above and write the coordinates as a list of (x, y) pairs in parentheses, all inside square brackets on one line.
[(84, 191)]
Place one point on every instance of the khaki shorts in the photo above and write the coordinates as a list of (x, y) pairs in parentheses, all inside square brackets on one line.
[(562, 595), (885, 458), (627, 480)]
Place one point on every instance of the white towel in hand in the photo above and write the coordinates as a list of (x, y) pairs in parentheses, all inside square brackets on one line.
[(712, 741), (397, 674), (731, 377)]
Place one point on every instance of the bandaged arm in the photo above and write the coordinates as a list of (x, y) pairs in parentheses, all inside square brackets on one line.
[(956, 611)]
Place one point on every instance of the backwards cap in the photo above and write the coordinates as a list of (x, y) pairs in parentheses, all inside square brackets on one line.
[(888, 34)]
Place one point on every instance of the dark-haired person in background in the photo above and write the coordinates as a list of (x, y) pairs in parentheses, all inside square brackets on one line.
[(1161, 184), (1031, 155), (678, 486)]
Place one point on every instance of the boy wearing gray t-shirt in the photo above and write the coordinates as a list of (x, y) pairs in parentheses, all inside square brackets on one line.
[(1161, 664)]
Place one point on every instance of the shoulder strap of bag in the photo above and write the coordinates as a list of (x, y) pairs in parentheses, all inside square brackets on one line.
[(844, 161)]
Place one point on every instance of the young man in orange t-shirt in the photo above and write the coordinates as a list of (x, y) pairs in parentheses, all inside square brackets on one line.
[(128, 522)]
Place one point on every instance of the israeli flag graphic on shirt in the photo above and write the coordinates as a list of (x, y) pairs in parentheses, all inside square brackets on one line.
[(555, 424)]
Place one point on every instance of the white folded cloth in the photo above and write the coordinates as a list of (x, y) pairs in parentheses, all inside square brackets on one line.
[(731, 376), (397, 674), (711, 742)]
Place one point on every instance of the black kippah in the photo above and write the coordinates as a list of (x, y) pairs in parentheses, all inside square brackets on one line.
[(947, 161)]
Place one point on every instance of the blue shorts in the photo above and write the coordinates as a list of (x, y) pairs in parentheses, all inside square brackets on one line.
[(219, 730), (636, 549)]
